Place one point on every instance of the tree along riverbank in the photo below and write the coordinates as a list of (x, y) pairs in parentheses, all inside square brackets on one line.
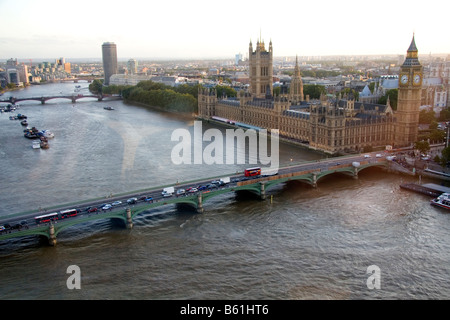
[(180, 99)]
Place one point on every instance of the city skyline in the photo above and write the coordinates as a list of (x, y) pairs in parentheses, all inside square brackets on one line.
[(208, 30)]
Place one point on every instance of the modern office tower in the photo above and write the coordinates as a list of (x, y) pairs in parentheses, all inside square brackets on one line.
[(12, 63), (237, 59), (109, 51), (132, 66), (12, 72), (67, 67), (12, 76), (22, 69)]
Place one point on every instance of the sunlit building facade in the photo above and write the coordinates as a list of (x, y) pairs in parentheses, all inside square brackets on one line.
[(334, 125)]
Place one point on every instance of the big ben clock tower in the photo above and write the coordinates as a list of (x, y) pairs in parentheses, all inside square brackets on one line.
[(409, 98)]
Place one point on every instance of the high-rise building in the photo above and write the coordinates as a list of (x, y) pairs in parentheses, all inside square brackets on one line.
[(12, 63), (12, 71), (409, 98), (109, 54), (67, 67), (237, 59), (132, 65)]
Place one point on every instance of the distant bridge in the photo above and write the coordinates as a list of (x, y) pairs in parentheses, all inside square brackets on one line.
[(77, 79), (309, 172), (73, 98)]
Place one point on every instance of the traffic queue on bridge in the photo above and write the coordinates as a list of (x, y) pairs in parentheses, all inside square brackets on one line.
[(54, 217)]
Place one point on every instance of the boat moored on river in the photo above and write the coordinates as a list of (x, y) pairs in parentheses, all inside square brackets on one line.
[(442, 201), (43, 142), (47, 134), (31, 133)]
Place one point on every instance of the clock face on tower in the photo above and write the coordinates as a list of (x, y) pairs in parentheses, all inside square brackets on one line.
[(404, 79), (416, 79)]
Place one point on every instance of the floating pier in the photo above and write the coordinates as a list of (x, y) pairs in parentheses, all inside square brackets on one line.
[(429, 189)]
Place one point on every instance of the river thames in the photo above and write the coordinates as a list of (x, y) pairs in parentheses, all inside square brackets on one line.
[(300, 243)]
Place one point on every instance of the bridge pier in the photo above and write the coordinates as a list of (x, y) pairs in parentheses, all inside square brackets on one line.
[(129, 219), (52, 236), (355, 174), (314, 180), (42, 101), (200, 203), (74, 100), (262, 191)]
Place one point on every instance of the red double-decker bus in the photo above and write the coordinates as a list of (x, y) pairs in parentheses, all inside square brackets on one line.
[(251, 172), (46, 218), (68, 213)]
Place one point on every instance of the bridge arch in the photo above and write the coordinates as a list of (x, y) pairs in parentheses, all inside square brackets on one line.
[(59, 227)]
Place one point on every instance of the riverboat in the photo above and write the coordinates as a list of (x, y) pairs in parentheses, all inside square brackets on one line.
[(442, 201), (108, 108), (47, 133), (44, 142), (31, 133)]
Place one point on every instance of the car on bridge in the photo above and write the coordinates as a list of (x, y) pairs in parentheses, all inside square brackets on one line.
[(116, 203), (180, 192), (107, 207), (132, 200), (148, 199)]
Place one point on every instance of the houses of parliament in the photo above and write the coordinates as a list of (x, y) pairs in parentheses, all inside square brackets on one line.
[(337, 125)]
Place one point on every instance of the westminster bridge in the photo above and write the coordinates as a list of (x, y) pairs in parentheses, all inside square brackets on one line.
[(23, 224)]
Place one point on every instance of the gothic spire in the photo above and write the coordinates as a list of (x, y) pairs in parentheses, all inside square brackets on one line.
[(412, 46), (412, 54)]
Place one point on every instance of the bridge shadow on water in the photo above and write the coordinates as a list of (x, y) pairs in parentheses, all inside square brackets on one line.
[(246, 195), (14, 245)]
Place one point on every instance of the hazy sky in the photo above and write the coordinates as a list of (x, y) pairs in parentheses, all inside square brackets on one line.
[(220, 29)]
